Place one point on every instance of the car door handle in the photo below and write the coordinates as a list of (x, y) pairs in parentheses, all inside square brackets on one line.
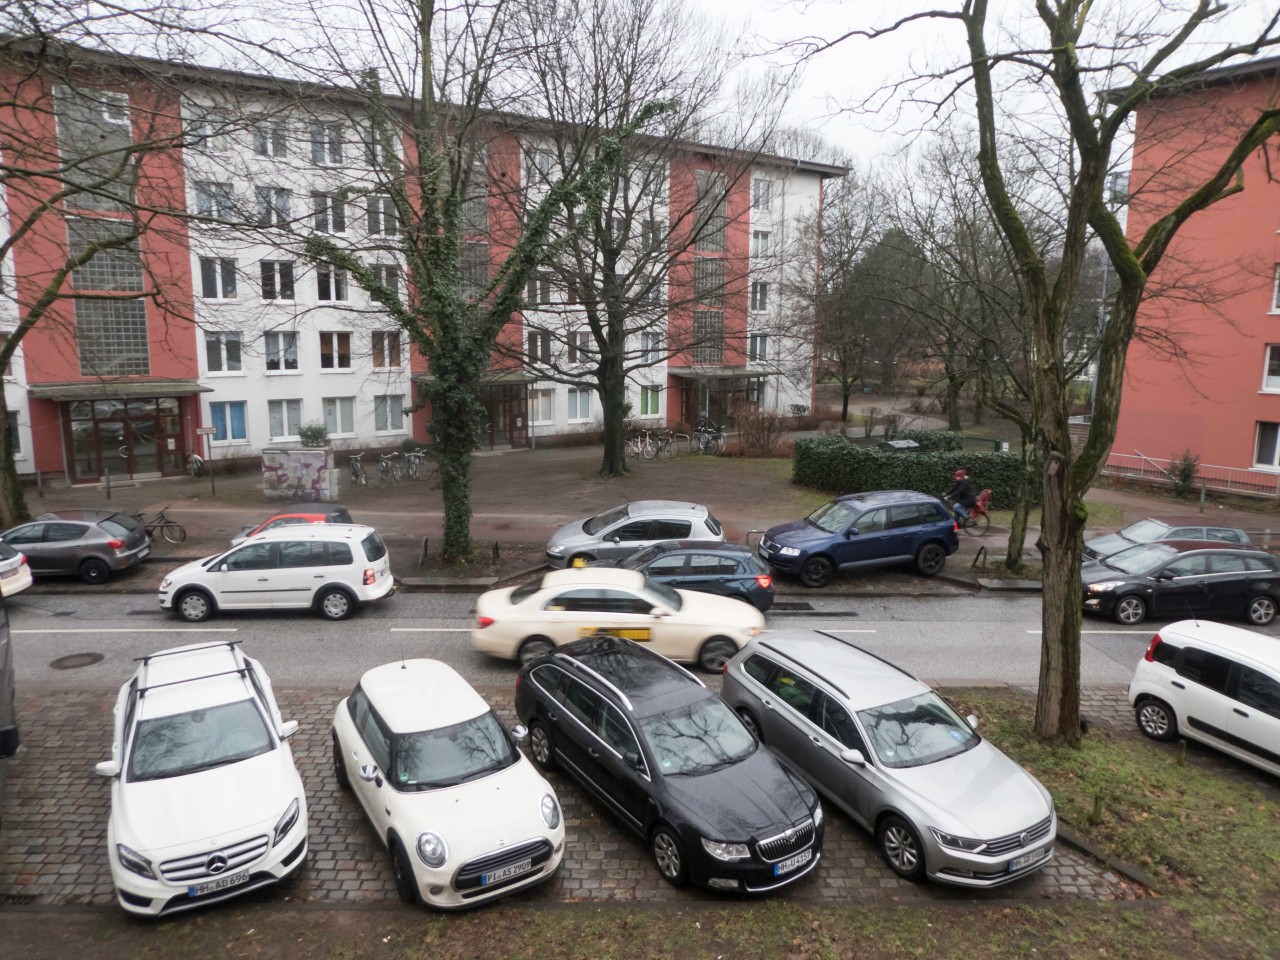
[(263, 579), (553, 717), (1180, 686), (1239, 711), (768, 705), (591, 752), (815, 739)]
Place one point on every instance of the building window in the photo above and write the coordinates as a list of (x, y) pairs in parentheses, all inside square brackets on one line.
[(382, 216), (1271, 381), (755, 391), (388, 412), (379, 145), (649, 401), (331, 283), (388, 275), (116, 268), (208, 132), (1275, 291), (282, 350), (759, 243), (326, 143), (542, 406), (475, 269), (579, 346), (649, 237), (15, 438), (335, 350), (708, 336), (214, 199), (539, 346), (650, 347), (539, 291), (758, 346), (269, 139), (8, 367), (217, 278), (94, 136), (386, 349), (708, 280), (475, 203), (340, 414), (284, 418), (277, 279), (272, 206), (761, 194), (709, 216), (1266, 452), (759, 295), (222, 350), (228, 421), (112, 337), (579, 404), (328, 213)]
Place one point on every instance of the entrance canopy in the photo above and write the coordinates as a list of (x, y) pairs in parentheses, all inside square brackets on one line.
[(116, 389)]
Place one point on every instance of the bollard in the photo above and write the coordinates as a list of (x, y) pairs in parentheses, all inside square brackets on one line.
[(106, 481), (1202, 490), (422, 554), (39, 485), (495, 551)]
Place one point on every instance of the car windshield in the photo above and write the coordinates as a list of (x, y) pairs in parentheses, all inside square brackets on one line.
[(1140, 559), (833, 517), (698, 738), (605, 520), (184, 743), (451, 755), (664, 593), (916, 731), (1145, 531), (641, 557), (523, 592)]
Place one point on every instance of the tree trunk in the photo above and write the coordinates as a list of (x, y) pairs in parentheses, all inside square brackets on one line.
[(455, 414), (13, 499), (613, 404), (844, 402), (954, 385), (1022, 507)]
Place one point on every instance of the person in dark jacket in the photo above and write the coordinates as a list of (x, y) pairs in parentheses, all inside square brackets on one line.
[(962, 494)]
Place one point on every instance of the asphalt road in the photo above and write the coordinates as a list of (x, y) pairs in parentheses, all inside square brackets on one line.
[(948, 640)]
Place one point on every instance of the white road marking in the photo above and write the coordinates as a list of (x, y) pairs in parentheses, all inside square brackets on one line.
[(1120, 632), (847, 631), (430, 629), (140, 630)]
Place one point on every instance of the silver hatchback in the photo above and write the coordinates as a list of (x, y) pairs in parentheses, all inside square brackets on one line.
[(940, 800), (620, 532)]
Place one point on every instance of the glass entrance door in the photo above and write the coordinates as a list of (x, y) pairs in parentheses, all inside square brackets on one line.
[(129, 438)]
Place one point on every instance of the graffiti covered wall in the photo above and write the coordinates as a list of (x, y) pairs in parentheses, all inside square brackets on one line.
[(305, 474)]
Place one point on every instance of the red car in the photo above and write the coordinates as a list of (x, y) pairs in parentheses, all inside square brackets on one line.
[(332, 513)]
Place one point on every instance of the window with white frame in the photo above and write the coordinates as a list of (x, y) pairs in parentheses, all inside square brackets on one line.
[(542, 406), (579, 404), (758, 346), (382, 216), (387, 274), (214, 199), (1275, 291), (15, 438), (759, 295), (1267, 450), (1271, 377), (755, 391), (207, 132), (335, 350), (340, 415), (328, 213), (272, 206), (388, 412), (222, 352), (760, 243), (579, 346), (326, 143), (386, 349), (217, 278), (649, 400), (379, 145), (539, 346), (649, 237), (277, 279), (281, 350), (539, 291), (228, 421), (270, 138), (761, 194), (650, 347), (331, 283), (284, 418)]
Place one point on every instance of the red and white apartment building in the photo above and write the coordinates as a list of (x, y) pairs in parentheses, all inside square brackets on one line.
[(1204, 376), (250, 340)]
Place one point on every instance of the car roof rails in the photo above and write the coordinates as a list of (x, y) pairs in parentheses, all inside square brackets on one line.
[(782, 653), (578, 664), (212, 645), (874, 656)]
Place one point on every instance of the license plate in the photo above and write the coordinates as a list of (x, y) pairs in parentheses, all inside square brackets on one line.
[(789, 864), (6, 574), (1035, 856), (506, 873), (765, 551), (145, 551), (222, 883)]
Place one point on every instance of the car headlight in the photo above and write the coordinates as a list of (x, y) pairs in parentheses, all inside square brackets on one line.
[(789, 551), (555, 551), (817, 815), (550, 811), (958, 843), (753, 631), (287, 821), (135, 862), (164, 584), (725, 851), (1105, 586), (431, 849)]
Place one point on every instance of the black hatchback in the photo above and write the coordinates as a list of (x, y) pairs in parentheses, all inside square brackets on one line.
[(670, 759), (1173, 579), (709, 566)]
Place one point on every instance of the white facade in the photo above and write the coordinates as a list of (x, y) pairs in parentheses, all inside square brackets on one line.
[(15, 380)]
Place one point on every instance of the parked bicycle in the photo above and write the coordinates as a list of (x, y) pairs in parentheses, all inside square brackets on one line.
[(668, 442), (640, 444), (358, 476), (161, 525), (388, 469), (195, 465), (707, 438), (415, 465)]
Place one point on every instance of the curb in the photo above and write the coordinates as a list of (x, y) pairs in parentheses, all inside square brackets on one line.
[(1111, 863)]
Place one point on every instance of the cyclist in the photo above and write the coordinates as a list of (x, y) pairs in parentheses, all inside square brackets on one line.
[(962, 494)]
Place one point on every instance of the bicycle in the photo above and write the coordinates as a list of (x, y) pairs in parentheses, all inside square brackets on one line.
[(415, 465), (388, 469), (170, 530), (358, 476), (639, 444), (667, 442), (195, 465), (709, 439), (978, 521)]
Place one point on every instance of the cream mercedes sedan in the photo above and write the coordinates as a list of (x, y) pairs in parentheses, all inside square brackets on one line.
[(524, 622)]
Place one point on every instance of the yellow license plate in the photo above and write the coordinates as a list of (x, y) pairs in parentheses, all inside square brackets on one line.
[(639, 634)]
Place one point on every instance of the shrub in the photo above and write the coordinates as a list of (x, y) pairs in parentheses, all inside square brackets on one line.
[(1184, 474), (871, 420), (761, 433), (314, 434), (892, 422)]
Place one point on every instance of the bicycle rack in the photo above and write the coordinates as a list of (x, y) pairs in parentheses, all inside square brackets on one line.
[(750, 533), (422, 554), (979, 557)]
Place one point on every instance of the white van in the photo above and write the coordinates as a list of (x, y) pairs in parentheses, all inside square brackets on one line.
[(1213, 683), (331, 568)]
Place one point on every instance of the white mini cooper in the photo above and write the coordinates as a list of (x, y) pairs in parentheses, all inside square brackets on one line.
[(465, 817)]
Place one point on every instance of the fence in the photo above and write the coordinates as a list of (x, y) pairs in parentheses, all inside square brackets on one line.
[(1223, 479)]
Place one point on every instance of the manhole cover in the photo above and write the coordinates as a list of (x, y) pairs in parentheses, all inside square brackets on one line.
[(76, 660), (17, 899), (792, 605)]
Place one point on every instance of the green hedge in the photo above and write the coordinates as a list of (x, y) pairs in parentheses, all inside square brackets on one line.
[(933, 440), (836, 466)]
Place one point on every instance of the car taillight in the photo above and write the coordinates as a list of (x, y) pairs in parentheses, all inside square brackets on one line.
[(955, 527), (370, 575), (22, 558), (765, 581), (725, 668), (1150, 655), (482, 622), (115, 544)]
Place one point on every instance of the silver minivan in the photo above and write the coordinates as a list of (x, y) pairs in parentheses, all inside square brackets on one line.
[(941, 801), (621, 531)]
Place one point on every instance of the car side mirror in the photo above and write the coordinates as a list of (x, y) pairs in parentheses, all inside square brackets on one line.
[(288, 729), (851, 532), (972, 721), (853, 757), (369, 773), (660, 612), (223, 567), (1163, 575), (615, 539), (519, 733), (107, 768), (633, 761)]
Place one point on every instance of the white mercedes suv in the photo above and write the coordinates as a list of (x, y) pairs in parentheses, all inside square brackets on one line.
[(206, 802)]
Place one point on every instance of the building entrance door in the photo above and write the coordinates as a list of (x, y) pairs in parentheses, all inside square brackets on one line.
[(129, 438)]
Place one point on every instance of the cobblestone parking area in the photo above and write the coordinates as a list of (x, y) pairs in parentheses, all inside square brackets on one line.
[(56, 812)]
